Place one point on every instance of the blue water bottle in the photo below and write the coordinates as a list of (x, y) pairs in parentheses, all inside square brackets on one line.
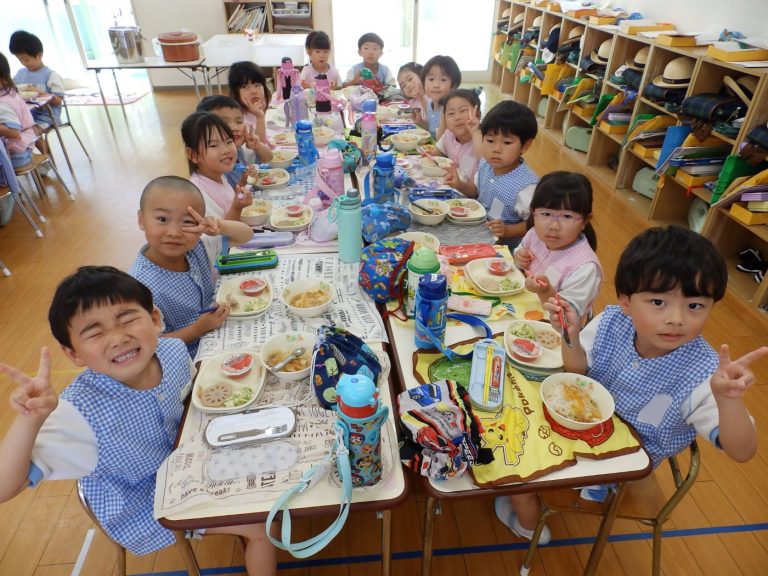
[(430, 310), (348, 215), (305, 141), (384, 178)]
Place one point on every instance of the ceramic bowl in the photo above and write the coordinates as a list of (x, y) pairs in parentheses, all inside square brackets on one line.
[(404, 142), (422, 239), (438, 206), (304, 287), (279, 346), (323, 135), (498, 267), (525, 349), (585, 396), (237, 364), (257, 213), (282, 158), (435, 166), (253, 286)]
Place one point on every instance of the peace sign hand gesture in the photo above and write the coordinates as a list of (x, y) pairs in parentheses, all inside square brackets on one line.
[(733, 377), (34, 397)]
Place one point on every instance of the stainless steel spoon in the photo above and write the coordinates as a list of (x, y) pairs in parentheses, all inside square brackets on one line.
[(296, 353)]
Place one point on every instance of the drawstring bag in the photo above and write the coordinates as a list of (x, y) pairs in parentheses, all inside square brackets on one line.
[(382, 268), (350, 153), (382, 220), (338, 352)]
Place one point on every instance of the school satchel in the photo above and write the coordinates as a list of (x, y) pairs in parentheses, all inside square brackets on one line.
[(578, 137), (382, 268), (713, 107)]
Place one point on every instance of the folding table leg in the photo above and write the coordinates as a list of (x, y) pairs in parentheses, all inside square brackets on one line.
[(605, 531), (386, 541), (429, 533)]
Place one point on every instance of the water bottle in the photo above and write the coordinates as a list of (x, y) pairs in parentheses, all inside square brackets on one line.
[(423, 261), (384, 178), (322, 93), (430, 309), (368, 131), (330, 174), (348, 215), (305, 141), (285, 75), (362, 415), (298, 102)]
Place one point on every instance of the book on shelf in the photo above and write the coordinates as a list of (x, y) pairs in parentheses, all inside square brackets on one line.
[(692, 155), (616, 117), (704, 169), (736, 52), (757, 206), (756, 194)]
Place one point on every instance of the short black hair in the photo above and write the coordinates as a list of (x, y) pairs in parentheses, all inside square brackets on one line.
[(448, 65), (317, 40), (23, 42), (211, 103), (197, 129), (89, 287), (570, 191), (467, 94), (370, 37), (414, 67), (510, 118), (6, 81), (241, 73), (170, 182), (666, 258)]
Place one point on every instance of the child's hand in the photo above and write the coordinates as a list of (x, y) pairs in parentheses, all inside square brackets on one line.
[(252, 140), (243, 198), (570, 315), (733, 377), (34, 397), (203, 224), (473, 122), (523, 258), (212, 320), (453, 179), (498, 228), (537, 284)]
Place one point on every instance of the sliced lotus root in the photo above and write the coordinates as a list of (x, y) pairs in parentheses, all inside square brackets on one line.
[(216, 394), (547, 339)]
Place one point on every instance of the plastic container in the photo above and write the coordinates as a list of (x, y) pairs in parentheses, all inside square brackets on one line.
[(299, 109), (431, 307), (179, 46), (305, 141), (368, 131), (330, 175), (356, 396), (346, 211), (383, 176), (423, 261), (322, 93)]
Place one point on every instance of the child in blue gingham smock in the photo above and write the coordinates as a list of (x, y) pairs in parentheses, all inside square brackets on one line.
[(174, 264), (117, 422)]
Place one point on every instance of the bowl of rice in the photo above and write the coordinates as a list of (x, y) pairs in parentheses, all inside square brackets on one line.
[(575, 401), (308, 297)]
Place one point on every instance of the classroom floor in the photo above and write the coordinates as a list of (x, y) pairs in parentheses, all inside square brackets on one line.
[(720, 528)]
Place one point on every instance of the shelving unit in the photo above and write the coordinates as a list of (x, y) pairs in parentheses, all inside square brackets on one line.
[(285, 17), (616, 166)]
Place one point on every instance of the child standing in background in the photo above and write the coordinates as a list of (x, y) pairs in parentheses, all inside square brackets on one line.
[(29, 50), (173, 263), (409, 79), (116, 423), (461, 142), (248, 86), (508, 131), (211, 153), (439, 76), (230, 111), (370, 46), (16, 123), (558, 251), (318, 47)]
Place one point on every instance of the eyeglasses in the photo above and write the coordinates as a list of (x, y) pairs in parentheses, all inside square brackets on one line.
[(564, 219)]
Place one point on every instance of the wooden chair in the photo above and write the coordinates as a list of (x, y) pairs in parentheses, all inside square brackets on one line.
[(66, 122), (645, 506), (32, 172), (185, 548)]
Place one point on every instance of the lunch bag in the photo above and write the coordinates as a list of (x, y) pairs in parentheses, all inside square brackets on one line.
[(382, 268), (338, 351), (382, 220)]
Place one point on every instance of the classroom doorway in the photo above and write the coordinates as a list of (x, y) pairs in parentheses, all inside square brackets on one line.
[(417, 30)]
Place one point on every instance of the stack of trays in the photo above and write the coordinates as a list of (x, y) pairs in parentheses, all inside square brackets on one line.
[(473, 211), (551, 359)]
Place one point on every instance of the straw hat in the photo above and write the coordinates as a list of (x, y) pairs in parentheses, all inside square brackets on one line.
[(575, 32), (517, 21), (536, 22), (744, 87), (677, 74), (641, 58), (506, 14), (600, 56)]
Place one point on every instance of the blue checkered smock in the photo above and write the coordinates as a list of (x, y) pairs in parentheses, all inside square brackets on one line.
[(135, 431), (433, 119), (649, 392), (180, 296), (233, 176)]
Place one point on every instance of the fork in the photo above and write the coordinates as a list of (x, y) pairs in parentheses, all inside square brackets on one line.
[(271, 431)]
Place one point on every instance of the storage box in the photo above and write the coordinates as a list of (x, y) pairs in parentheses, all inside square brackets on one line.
[(734, 53), (739, 212), (223, 50), (635, 26), (644, 151), (691, 180), (179, 46), (585, 110), (583, 13), (602, 20), (608, 128), (665, 40), (291, 9)]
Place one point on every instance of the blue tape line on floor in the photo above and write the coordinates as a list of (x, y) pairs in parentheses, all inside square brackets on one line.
[(461, 550)]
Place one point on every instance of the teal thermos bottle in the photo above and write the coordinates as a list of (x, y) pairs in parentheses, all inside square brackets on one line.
[(347, 212)]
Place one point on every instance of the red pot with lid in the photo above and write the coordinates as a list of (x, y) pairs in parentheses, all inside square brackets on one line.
[(179, 46)]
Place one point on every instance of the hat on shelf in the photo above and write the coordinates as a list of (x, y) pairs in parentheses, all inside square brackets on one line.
[(575, 32), (600, 56), (639, 60), (506, 14), (677, 74), (744, 87), (536, 22), (517, 21)]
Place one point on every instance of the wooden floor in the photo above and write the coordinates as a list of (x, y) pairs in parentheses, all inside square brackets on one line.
[(721, 528)]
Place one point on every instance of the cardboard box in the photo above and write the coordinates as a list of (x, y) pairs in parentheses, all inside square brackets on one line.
[(635, 26), (739, 212), (614, 128), (691, 180), (665, 40), (585, 110), (601, 20), (736, 55), (583, 13), (644, 151)]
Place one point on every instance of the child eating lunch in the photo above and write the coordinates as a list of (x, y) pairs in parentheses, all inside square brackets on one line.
[(462, 141), (318, 47), (248, 87), (439, 76), (115, 424), (174, 265)]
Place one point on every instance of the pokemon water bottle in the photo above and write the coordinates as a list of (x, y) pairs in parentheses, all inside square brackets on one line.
[(430, 310)]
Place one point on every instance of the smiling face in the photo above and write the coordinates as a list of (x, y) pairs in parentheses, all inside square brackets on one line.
[(216, 156), (503, 151), (558, 228), (117, 339), (252, 96), (410, 84), (664, 321), (234, 119), (163, 218), (437, 83), (457, 114), (370, 52)]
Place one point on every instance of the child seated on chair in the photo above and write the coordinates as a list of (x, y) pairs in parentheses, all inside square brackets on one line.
[(461, 141), (370, 47), (648, 351), (318, 47), (29, 50), (174, 264), (248, 87), (117, 421)]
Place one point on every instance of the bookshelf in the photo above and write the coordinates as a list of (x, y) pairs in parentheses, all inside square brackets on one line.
[(267, 16)]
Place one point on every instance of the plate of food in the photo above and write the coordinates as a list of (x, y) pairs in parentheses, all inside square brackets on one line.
[(465, 211), (533, 345), (575, 401), (229, 382), (283, 139), (490, 284), (244, 298), (281, 220), (272, 178)]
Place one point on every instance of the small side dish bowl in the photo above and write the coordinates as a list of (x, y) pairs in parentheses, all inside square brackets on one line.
[(253, 286), (237, 364), (277, 349), (308, 297), (439, 208), (257, 213), (435, 166), (404, 142), (575, 401), (498, 267), (323, 135), (282, 158), (459, 211), (294, 210), (525, 349)]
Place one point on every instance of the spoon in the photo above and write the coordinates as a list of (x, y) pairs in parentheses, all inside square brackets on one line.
[(296, 353)]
